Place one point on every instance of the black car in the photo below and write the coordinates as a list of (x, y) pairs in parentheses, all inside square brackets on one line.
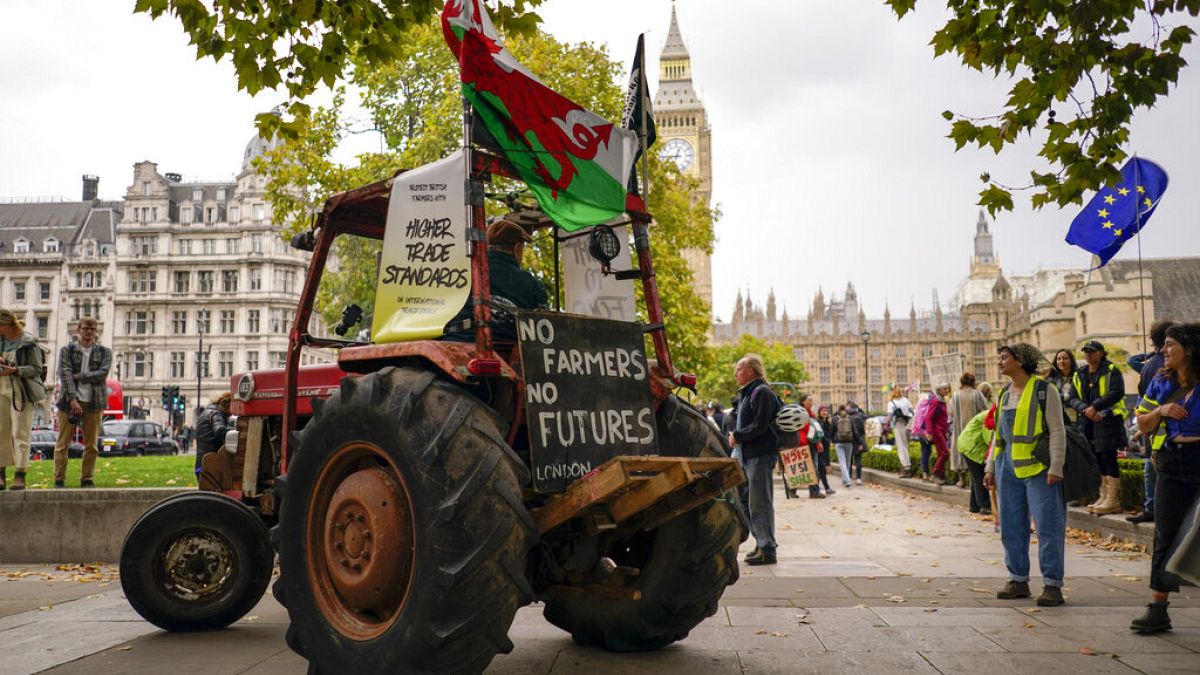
[(136, 437), (41, 445)]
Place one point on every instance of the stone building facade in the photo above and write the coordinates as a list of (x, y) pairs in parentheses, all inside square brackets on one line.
[(847, 355), (205, 285), (57, 265)]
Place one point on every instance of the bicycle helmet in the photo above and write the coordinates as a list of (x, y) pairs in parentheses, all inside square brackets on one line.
[(791, 417)]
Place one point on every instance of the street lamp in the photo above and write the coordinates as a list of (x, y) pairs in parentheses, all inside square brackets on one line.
[(866, 337)]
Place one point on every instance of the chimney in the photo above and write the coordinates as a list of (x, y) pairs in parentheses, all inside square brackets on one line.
[(91, 187)]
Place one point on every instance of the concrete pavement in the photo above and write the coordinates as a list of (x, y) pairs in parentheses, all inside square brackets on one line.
[(868, 580)]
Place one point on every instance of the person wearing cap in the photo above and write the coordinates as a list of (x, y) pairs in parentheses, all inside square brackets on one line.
[(1029, 408), (510, 284), (1098, 395)]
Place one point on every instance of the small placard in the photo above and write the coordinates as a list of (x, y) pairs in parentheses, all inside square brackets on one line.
[(587, 394), (798, 469)]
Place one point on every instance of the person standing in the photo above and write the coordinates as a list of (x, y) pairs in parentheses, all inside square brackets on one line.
[(937, 423), (83, 393), (824, 445), (754, 433), (964, 406), (1062, 371), (844, 442), (1170, 411), (21, 391), (1098, 395), (859, 419), (900, 411), (1026, 486), (1147, 367)]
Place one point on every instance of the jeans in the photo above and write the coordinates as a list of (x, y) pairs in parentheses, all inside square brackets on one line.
[(844, 451), (926, 450), (760, 474), (1178, 488), (856, 464), (1150, 482), (979, 496), (1019, 499), (900, 429), (743, 490)]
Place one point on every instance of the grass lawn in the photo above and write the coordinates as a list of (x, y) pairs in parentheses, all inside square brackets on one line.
[(120, 472)]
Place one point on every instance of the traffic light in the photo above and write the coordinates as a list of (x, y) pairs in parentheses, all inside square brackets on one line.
[(166, 397), (180, 403)]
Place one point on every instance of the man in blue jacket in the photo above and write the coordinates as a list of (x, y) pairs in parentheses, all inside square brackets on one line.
[(755, 433)]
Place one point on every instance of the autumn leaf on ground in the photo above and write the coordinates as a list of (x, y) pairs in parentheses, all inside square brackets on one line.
[(1030, 624), (803, 618), (896, 598), (1087, 651)]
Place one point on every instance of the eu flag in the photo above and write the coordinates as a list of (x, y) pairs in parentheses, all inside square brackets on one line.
[(1118, 212)]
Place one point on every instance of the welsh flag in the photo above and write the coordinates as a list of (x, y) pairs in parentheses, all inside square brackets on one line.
[(576, 163)]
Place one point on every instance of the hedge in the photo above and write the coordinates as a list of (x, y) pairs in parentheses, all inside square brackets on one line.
[(1132, 492)]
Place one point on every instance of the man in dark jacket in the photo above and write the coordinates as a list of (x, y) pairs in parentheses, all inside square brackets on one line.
[(510, 285), (858, 419), (211, 427), (83, 395), (759, 446), (1147, 366), (1098, 394)]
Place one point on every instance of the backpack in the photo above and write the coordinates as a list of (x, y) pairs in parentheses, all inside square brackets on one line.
[(815, 432), (898, 414), (1081, 472), (845, 429), (921, 417)]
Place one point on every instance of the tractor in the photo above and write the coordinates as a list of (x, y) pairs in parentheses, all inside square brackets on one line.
[(412, 497)]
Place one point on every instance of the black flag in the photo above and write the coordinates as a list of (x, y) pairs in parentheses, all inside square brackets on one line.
[(639, 115)]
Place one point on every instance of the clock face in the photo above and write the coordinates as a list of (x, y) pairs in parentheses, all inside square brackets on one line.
[(679, 151)]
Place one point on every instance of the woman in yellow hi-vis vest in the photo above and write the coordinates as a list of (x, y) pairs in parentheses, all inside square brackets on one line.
[(1027, 409)]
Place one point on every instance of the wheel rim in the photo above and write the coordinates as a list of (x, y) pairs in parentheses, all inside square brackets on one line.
[(359, 541), (197, 565)]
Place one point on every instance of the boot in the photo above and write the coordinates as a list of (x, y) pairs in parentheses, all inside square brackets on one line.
[(1100, 499), (1110, 500), (18, 480), (1154, 620)]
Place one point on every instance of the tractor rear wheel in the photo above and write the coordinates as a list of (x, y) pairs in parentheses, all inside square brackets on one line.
[(685, 563), (402, 535), (196, 561)]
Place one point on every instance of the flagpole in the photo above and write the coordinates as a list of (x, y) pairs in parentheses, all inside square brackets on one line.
[(1137, 214)]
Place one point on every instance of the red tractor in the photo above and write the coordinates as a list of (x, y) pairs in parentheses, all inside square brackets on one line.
[(408, 495)]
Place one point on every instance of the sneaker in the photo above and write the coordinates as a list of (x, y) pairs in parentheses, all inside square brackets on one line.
[(815, 495), (830, 491), (751, 554), (60, 484), (858, 481), (761, 558), (906, 474), (1013, 590), (86, 483), (1051, 597), (1143, 517), (1154, 620)]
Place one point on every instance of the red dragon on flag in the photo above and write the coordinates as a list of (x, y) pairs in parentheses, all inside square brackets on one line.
[(576, 163)]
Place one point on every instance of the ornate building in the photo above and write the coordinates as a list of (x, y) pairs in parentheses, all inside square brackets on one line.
[(685, 137), (56, 267), (847, 354)]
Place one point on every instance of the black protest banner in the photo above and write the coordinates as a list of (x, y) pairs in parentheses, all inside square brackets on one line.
[(587, 394)]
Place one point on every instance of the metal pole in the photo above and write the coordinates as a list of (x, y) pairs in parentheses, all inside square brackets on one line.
[(1137, 211), (199, 356), (866, 373)]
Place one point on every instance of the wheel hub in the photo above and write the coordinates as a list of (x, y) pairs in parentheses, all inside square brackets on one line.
[(197, 564), (367, 546)]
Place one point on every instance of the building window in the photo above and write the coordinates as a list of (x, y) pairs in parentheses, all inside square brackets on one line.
[(21, 246), (231, 246), (221, 194), (256, 278), (901, 374), (901, 351), (927, 350), (179, 322), (178, 361), (277, 359), (144, 245), (225, 364), (139, 322), (260, 212), (210, 246), (285, 280), (143, 282), (197, 194), (235, 214), (980, 349), (253, 324), (876, 375), (824, 375), (50, 246), (143, 364), (18, 290), (203, 323), (279, 320), (182, 281), (185, 216), (43, 290), (981, 369), (185, 247), (210, 214), (43, 326), (227, 321), (256, 243), (202, 363), (823, 353), (875, 351), (251, 360), (204, 281), (851, 375), (145, 188), (229, 281), (848, 353)]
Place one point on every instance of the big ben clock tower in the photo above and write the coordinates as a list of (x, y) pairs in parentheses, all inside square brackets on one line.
[(684, 137)]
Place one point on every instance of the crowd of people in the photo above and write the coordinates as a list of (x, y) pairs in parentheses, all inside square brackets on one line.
[(1013, 445)]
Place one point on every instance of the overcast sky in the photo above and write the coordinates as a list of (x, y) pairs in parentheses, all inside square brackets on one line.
[(830, 160)]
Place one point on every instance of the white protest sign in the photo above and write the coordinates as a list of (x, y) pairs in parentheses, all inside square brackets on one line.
[(590, 292)]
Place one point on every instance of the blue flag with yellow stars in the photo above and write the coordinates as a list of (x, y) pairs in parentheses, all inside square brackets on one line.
[(1118, 212)]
